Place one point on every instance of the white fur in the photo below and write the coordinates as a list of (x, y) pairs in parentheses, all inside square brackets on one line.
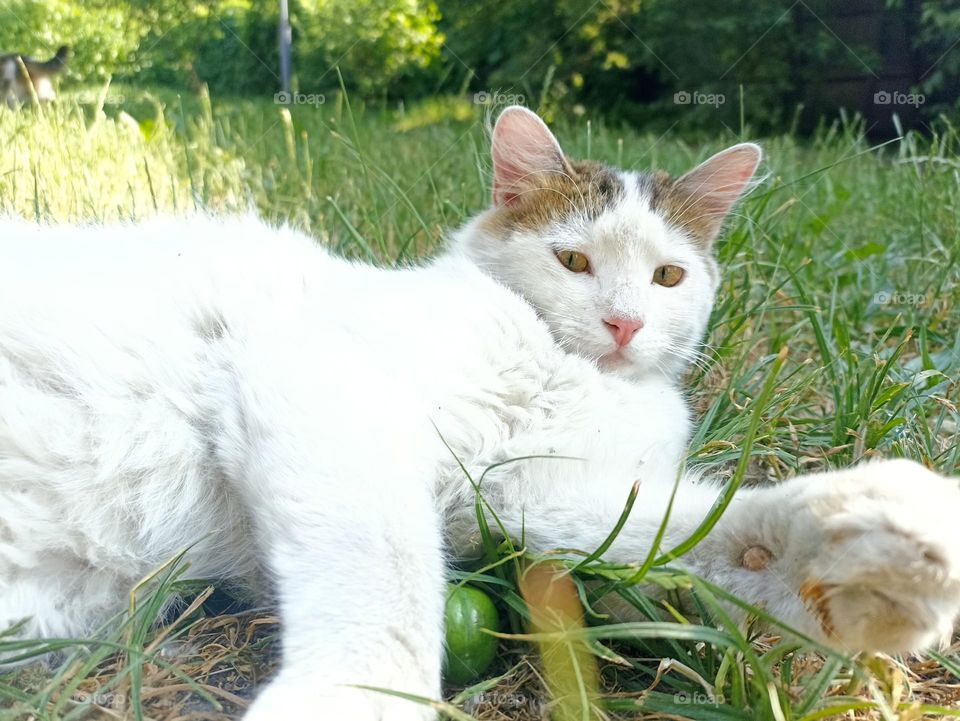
[(228, 385)]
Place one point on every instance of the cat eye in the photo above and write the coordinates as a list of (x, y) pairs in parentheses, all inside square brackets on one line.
[(573, 261), (668, 275)]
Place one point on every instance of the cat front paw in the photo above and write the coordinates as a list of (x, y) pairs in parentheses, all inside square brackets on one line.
[(879, 555)]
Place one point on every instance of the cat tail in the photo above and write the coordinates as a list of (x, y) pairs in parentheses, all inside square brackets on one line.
[(54, 65)]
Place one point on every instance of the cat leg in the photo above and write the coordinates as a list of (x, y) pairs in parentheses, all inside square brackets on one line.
[(337, 479), (46, 589), (61, 598), (863, 559), (360, 583)]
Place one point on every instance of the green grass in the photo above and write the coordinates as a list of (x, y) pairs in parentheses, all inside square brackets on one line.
[(835, 338)]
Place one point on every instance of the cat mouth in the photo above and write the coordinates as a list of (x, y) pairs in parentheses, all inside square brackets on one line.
[(614, 359)]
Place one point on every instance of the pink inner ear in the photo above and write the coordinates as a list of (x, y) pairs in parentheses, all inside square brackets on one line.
[(523, 149), (717, 183), (721, 180)]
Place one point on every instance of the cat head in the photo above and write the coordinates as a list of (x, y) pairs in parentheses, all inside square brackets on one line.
[(619, 264)]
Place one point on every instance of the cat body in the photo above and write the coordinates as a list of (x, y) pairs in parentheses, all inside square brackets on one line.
[(305, 422), (15, 85), (145, 415), (229, 388)]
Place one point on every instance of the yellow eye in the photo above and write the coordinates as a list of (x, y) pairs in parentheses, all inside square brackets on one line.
[(668, 275), (573, 261)]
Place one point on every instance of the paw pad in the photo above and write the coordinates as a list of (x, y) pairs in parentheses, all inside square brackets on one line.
[(756, 558)]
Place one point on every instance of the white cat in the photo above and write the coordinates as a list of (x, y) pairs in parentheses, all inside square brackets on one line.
[(228, 385)]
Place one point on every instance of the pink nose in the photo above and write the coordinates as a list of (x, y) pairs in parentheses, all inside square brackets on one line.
[(623, 329)]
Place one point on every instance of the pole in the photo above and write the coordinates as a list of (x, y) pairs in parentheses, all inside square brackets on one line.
[(286, 42)]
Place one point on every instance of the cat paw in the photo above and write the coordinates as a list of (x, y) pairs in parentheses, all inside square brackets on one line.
[(886, 575), (866, 559), (289, 698)]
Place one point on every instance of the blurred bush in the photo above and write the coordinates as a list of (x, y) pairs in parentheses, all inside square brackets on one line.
[(938, 37), (102, 35), (655, 62), (381, 46), (662, 61), (228, 44)]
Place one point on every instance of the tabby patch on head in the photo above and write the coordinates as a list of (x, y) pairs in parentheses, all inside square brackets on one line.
[(618, 263), (578, 187)]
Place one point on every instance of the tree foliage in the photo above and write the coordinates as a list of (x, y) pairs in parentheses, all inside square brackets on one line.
[(658, 61), (231, 45)]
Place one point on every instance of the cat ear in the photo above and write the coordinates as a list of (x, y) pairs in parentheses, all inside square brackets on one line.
[(710, 190), (523, 151)]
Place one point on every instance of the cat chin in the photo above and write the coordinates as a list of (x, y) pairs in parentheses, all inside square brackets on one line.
[(621, 364), (637, 367)]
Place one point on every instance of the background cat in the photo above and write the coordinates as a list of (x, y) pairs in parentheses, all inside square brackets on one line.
[(15, 86)]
